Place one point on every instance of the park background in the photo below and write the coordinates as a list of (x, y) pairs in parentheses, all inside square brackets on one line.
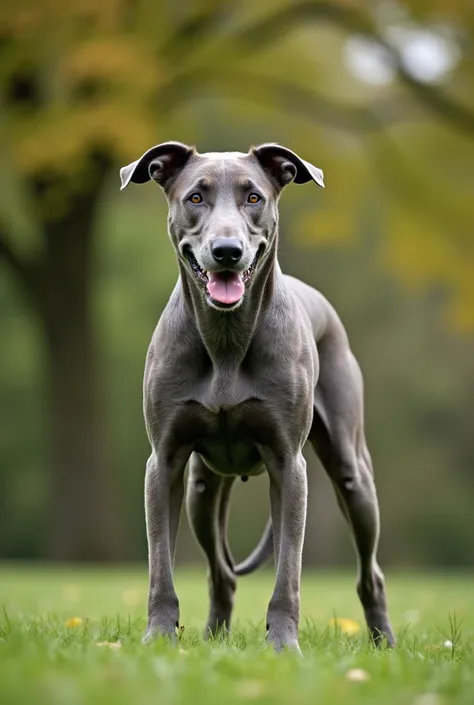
[(381, 97)]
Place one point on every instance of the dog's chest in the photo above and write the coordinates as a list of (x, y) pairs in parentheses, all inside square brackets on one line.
[(229, 445), (231, 424), (223, 393)]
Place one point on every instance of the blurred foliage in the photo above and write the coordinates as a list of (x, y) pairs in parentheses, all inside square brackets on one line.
[(86, 87), (118, 76)]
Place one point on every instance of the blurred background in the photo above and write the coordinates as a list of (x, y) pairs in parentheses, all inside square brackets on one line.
[(378, 94)]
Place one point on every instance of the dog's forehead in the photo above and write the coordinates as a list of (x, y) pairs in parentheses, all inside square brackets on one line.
[(224, 166), (222, 156), (224, 170)]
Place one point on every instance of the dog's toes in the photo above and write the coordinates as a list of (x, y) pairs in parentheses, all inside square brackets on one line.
[(385, 638), (282, 641), (216, 629), (280, 647), (148, 637), (153, 633), (382, 635)]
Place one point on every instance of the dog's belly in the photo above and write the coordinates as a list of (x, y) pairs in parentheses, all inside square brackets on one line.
[(230, 456)]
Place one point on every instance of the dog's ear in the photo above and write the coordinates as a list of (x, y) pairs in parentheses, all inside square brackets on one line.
[(160, 163), (285, 166)]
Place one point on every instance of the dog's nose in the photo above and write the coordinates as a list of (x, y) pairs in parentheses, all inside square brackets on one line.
[(227, 251)]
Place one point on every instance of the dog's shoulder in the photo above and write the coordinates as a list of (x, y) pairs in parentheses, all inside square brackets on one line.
[(322, 314)]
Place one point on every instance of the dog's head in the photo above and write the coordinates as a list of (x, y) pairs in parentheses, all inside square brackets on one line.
[(223, 209)]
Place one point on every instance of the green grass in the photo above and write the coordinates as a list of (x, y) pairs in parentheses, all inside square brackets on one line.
[(44, 661)]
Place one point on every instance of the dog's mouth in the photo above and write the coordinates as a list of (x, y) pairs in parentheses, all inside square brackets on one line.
[(225, 288)]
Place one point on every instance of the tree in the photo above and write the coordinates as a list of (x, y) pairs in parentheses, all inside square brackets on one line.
[(86, 87)]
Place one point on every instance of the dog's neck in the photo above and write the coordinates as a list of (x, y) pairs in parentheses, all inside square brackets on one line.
[(227, 335)]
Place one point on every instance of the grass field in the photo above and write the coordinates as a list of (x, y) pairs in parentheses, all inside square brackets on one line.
[(73, 637)]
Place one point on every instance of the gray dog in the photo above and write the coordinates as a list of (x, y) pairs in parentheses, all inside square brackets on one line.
[(246, 365)]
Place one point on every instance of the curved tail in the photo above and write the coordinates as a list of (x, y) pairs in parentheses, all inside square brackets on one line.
[(259, 555)]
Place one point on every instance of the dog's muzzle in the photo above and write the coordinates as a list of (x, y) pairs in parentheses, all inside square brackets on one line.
[(225, 288)]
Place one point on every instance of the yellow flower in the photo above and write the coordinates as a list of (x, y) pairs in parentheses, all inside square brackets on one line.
[(74, 622), (346, 626)]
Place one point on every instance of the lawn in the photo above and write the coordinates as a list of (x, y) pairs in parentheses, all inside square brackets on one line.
[(73, 637)]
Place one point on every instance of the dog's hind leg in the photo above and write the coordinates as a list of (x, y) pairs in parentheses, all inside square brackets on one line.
[(206, 501), (337, 435), (224, 507)]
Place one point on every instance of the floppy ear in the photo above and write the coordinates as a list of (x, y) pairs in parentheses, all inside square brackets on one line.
[(285, 166), (159, 163)]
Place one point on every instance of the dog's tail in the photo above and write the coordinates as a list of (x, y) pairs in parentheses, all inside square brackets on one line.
[(259, 555)]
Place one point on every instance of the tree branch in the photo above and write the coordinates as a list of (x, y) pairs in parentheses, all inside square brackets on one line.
[(250, 85), (255, 37), (24, 271), (188, 35), (8, 255)]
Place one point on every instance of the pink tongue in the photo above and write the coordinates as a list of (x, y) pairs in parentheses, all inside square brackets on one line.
[(225, 287)]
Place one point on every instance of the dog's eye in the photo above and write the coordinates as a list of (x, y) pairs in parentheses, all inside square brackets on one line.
[(254, 198), (195, 197)]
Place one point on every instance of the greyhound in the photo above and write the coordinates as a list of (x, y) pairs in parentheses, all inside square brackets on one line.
[(245, 366)]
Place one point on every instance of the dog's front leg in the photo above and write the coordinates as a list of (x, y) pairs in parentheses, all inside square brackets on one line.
[(164, 491), (288, 497)]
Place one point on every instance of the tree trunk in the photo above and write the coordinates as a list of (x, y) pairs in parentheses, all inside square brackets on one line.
[(85, 524)]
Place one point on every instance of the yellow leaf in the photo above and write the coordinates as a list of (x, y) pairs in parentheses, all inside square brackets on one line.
[(118, 59), (357, 675), (110, 644)]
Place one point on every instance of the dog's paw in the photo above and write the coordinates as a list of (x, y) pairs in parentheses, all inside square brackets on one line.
[(283, 640), (155, 631), (383, 636)]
